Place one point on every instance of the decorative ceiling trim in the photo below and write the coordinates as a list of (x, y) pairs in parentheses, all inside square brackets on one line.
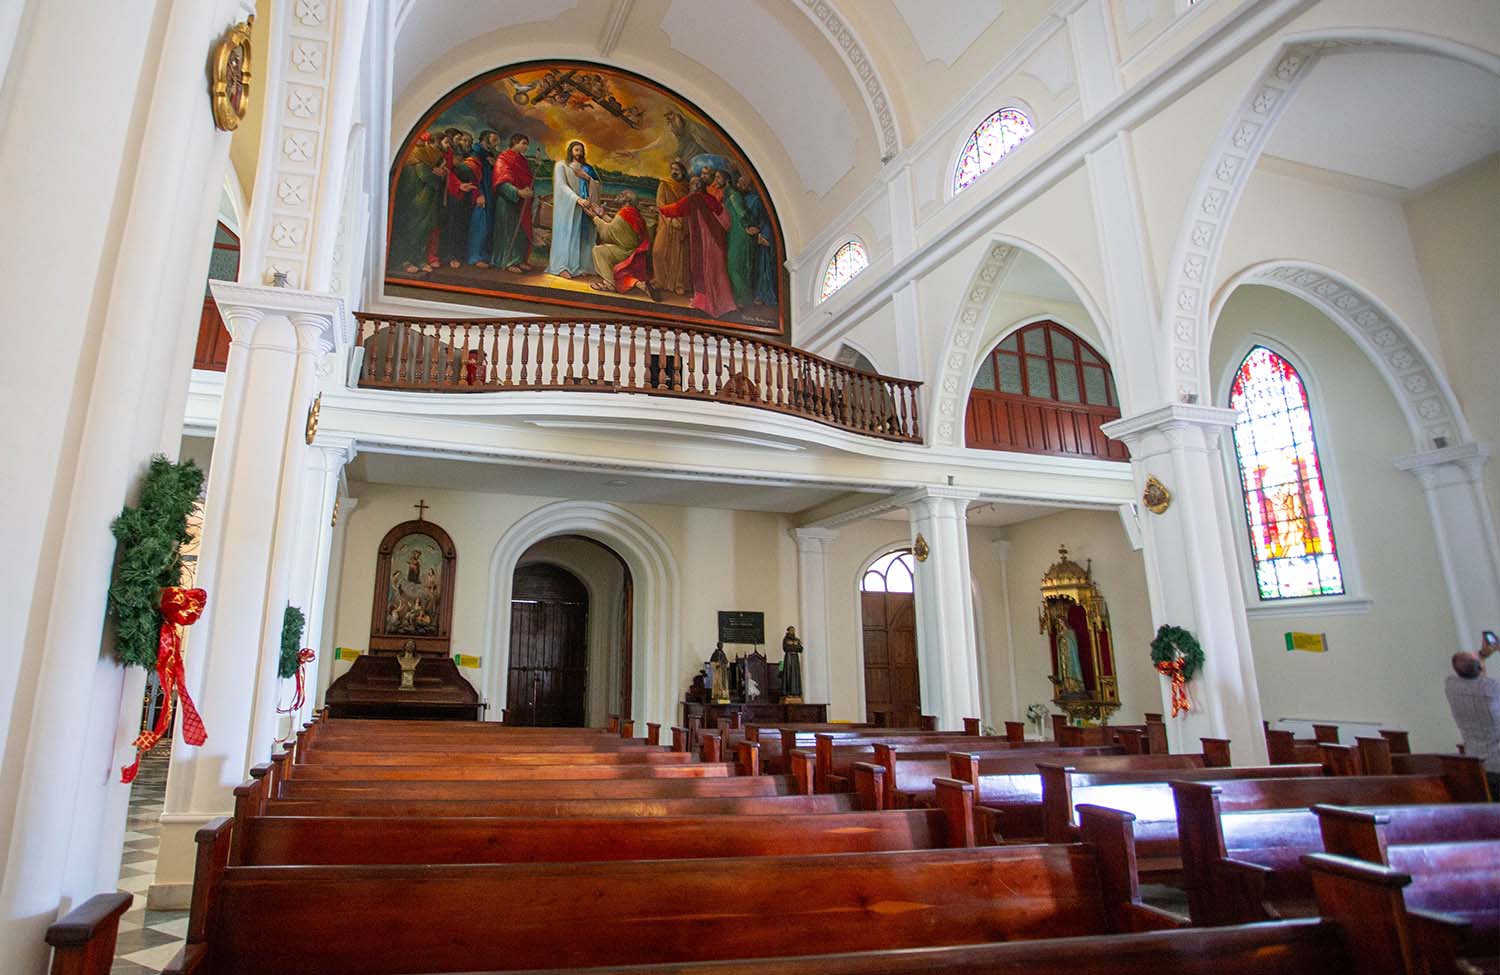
[(1226, 171), (614, 26), (1415, 380), (855, 55), (950, 394)]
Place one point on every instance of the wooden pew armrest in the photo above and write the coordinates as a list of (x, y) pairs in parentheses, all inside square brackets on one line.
[(189, 960), (84, 938), (987, 826), (1144, 917), (869, 785), (1436, 938), (1243, 888)]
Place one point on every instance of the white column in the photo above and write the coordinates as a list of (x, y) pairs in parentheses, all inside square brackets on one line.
[(901, 196), (1192, 571), (329, 640), (1002, 554), (812, 610), (947, 658), (250, 537), (92, 342), (1453, 480), (310, 563)]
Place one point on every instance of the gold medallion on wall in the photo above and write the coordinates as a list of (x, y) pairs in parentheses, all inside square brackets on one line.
[(229, 76), (313, 413), (1156, 497)]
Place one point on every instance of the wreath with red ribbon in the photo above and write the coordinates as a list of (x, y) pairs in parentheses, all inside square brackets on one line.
[(1178, 657)]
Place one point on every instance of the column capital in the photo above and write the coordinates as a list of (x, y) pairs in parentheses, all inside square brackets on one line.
[(334, 450), (928, 493), (321, 321), (1461, 463), (1188, 426), (813, 537)]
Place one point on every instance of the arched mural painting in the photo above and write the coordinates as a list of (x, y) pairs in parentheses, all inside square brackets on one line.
[(578, 185)]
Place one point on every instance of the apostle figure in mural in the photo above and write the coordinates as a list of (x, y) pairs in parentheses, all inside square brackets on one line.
[(708, 228), (622, 258), (669, 252), (477, 214), (575, 188), (512, 204)]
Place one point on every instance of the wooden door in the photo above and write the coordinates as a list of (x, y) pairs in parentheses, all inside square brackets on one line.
[(892, 691), (547, 685)]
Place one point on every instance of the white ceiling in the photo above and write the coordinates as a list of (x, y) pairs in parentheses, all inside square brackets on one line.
[(591, 485), (1407, 120), (944, 31), (1030, 275), (431, 28)]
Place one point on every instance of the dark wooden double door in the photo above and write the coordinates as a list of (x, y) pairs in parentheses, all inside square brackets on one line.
[(893, 695), (547, 685)]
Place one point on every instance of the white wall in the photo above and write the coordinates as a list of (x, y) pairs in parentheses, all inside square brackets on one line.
[(1385, 665)]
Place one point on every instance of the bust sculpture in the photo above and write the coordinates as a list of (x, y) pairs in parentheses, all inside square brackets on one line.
[(408, 659), (791, 667)]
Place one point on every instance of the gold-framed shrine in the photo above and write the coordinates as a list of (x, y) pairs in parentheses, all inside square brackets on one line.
[(1075, 619)]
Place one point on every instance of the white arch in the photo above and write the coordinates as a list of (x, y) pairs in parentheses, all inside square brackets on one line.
[(655, 670), (867, 76), (1226, 171), (1415, 380), (961, 352)]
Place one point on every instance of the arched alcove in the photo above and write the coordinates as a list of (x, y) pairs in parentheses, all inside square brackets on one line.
[(653, 570)]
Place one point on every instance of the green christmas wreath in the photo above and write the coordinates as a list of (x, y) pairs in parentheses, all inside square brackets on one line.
[(292, 622), (1173, 643), (149, 536)]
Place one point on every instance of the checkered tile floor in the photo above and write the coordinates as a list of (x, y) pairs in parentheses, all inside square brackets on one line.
[(148, 939)]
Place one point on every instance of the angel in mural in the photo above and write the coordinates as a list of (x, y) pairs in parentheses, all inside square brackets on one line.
[(575, 189)]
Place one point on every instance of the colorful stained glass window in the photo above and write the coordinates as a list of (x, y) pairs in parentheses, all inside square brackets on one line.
[(990, 143), (845, 263), (1286, 506)]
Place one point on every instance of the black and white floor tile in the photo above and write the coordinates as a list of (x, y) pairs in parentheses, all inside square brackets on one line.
[(148, 939)]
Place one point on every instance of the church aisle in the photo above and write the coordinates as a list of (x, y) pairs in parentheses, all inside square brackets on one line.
[(148, 939)]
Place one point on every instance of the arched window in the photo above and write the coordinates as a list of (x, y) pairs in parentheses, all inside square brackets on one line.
[(892, 572), (1286, 506), (846, 262), (990, 143), (1043, 390)]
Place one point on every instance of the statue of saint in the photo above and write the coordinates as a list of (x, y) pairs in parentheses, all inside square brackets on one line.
[(791, 667), (1069, 666), (718, 669)]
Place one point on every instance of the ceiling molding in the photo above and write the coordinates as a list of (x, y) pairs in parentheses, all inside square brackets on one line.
[(854, 53), (614, 26)]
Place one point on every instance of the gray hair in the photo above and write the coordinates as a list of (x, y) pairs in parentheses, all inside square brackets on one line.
[(1466, 665)]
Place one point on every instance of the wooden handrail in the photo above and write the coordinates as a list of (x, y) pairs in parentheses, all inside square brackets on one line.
[(625, 356)]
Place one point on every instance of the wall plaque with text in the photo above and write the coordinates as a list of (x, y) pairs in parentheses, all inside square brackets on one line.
[(742, 626)]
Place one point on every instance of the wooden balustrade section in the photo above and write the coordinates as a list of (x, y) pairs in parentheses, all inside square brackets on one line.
[(529, 354)]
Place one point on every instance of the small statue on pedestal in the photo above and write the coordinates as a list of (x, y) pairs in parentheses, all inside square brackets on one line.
[(791, 667), (408, 659), (718, 673)]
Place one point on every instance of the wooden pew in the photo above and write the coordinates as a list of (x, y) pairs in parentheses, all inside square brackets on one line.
[(503, 773), (276, 840), (83, 940), (834, 755), (761, 785), (908, 771), (1290, 948), (1267, 880), (1436, 904), (557, 808), (566, 915), (1366, 833)]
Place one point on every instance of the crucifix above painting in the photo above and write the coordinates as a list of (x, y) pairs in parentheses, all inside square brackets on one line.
[(564, 183), (1075, 620)]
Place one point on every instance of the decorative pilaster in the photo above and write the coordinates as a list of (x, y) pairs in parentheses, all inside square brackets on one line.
[(310, 562), (812, 608), (343, 508), (948, 663), (1192, 570), (1452, 478), (250, 539)]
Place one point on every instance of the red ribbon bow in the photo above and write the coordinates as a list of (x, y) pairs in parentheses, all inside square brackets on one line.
[(304, 657), (1173, 670), (179, 607)]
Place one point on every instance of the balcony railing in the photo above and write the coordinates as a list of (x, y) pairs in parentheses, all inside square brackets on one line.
[(529, 354)]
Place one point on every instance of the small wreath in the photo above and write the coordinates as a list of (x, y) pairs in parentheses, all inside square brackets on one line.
[(1173, 644), (292, 623)]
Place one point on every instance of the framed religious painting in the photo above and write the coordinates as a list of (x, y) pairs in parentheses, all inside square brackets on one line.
[(415, 569), (569, 185)]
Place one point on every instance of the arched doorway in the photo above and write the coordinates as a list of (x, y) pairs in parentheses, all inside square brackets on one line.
[(893, 695), (547, 684)]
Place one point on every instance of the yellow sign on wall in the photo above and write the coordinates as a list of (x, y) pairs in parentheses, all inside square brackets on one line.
[(344, 653), (1310, 642), (465, 660)]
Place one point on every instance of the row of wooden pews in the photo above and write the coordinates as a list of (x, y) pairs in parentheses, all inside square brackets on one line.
[(424, 847)]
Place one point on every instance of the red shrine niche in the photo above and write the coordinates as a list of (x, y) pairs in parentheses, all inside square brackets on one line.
[(1075, 620), (414, 576)]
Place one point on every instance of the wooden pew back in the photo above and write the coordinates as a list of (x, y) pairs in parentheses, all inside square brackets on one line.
[(1365, 833)]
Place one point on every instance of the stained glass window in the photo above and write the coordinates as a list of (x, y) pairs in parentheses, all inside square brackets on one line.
[(892, 572), (845, 263), (1286, 506), (990, 143)]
